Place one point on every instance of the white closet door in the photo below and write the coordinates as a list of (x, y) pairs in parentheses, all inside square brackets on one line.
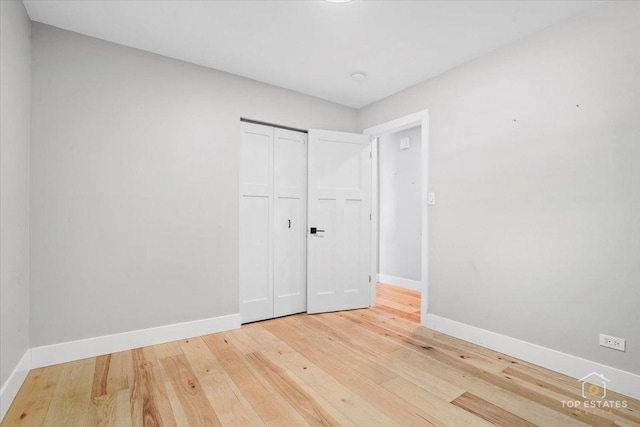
[(290, 252), (256, 223)]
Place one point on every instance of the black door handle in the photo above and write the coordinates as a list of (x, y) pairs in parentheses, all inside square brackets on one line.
[(289, 223), (315, 230)]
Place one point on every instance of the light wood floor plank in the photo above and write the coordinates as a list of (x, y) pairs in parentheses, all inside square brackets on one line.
[(300, 400), (490, 412), (71, 403), (189, 391), (355, 362), (439, 411), (223, 395), (352, 406), (271, 407), (123, 409), (103, 410), (32, 402), (149, 402), (359, 382)]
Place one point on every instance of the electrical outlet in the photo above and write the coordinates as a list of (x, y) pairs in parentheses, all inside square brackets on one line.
[(612, 342)]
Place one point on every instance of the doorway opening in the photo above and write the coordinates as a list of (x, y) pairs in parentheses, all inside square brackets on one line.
[(400, 202), (399, 224)]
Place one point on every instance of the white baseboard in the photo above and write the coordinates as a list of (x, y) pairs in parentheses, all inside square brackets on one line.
[(622, 382), (91, 347), (415, 285), (11, 387)]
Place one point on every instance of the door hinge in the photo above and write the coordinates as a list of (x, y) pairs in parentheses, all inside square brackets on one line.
[(369, 279), (369, 216), (370, 155)]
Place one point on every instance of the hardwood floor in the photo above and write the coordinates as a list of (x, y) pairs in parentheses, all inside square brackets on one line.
[(356, 368)]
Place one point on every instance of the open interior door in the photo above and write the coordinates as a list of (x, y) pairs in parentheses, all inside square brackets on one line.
[(339, 221)]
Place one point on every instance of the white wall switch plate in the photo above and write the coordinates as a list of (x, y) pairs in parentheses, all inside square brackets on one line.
[(612, 342), (405, 143), (431, 198)]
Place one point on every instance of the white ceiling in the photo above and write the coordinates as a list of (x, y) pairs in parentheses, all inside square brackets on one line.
[(313, 47)]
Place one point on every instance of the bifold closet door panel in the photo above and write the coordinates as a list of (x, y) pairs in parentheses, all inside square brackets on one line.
[(256, 223), (289, 267), (290, 226)]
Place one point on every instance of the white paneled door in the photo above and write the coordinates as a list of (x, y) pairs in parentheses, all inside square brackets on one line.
[(273, 181), (339, 215)]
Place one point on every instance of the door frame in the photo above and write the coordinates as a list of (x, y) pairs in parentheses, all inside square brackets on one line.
[(420, 118)]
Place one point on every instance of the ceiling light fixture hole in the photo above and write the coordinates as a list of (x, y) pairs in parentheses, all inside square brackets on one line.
[(358, 77)]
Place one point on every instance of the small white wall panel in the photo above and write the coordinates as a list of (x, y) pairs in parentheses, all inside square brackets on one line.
[(256, 265), (353, 272), (339, 165), (257, 159), (289, 162)]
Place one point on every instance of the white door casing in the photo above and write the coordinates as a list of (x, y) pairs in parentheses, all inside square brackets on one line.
[(420, 118), (339, 257)]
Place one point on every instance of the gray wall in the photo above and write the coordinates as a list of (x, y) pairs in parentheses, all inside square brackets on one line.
[(134, 179), (535, 234), (400, 206), (15, 46)]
